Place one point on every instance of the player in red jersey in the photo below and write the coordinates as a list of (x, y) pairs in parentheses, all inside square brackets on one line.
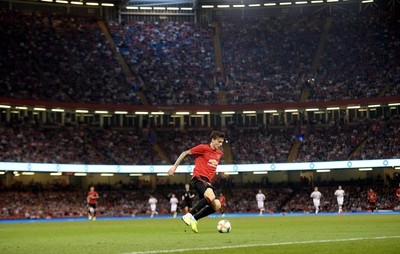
[(207, 158), (398, 193), (92, 198), (372, 199)]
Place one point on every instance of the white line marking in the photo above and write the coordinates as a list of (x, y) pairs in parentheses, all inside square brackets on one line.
[(265, 244)]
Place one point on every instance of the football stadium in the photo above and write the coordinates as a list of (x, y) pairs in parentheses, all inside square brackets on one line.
[(199, 126)]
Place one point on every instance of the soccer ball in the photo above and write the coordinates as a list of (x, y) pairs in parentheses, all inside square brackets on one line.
[(224, 226)]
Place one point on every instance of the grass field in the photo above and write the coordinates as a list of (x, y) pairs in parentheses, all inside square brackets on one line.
[(270, 234)]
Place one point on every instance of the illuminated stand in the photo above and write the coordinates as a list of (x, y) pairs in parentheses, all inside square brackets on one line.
[(226, 168)]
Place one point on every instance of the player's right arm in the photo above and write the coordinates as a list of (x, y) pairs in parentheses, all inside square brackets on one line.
[(178, 161)]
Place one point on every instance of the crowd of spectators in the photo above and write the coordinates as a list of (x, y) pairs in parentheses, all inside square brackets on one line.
[(266, 60), (360, 57), (83, 144), (331, 142), (60, 58), (255, 145), (67, 58), (383, 141), (174, 59), (75, 144), (51, 200)]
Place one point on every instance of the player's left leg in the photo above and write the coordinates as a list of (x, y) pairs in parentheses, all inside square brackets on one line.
[(94, 212), (90, 212)]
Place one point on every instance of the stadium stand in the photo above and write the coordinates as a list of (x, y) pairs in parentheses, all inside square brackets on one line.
[(275, 59)]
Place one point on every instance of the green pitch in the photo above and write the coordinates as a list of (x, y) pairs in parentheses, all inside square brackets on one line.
[(270, 234)]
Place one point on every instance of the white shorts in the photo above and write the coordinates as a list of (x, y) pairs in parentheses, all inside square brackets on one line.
[(153, 208), (174, 207), (340, 200), (316, 202), (260, 205)]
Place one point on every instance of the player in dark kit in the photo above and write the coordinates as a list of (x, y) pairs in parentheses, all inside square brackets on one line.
[(187, 198), (92, 198), (372, 199), (207, 158)]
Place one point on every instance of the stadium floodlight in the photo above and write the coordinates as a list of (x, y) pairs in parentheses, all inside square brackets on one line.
[(5, 106), (270, 4), (56, 174), (228, 112), (186, 9), (207, 6), (332, 1), (80, 174), (396, 167), (21, 108), (39, 109), (107, 4), (173, 8), (223, 6), (238, 6), (270, 111), (367, 1), (301, 2), (182, 113), (132, 7), (312, 109), (249, 112), (291, 110), (254, 5), (365, 169), (333, 108), (394, 104), (106, 174), (76, 3), (285, 3), (203, 112), (323, 170), (84, 111), (159, 8), (92, 3), (61, 1), (145, 8), (157, 113), (57, 110), (317, 2), (101, 112), (121, 112), (162, 174), (354, 107), (2, 172), (231, 173), (260, 172), (135, 174), (374, 106), (141, 113), (49, 1), (28, 173)]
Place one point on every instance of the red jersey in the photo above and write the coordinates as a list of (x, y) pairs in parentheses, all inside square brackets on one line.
[(92, 197), (206, 161), (398, 192), (372, 197)]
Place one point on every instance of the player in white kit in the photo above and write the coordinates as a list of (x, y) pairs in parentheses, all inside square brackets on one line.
[(260, 197), (316, 196), (174, 205), (339, 193), (153, 204)]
